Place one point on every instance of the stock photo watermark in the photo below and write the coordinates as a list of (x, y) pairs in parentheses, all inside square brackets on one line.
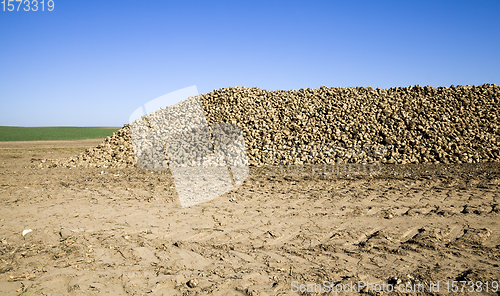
[(367, 287), (205, 161), (28, 5)]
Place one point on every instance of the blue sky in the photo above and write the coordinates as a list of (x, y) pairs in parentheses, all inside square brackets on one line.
[(93, 62)]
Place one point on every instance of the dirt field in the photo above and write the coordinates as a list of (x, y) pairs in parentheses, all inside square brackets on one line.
[(102, 231)]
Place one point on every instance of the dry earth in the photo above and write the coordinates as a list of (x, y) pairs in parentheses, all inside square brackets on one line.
[(99, 231)]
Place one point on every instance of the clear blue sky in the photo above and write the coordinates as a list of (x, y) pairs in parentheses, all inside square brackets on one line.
[(93, 62)]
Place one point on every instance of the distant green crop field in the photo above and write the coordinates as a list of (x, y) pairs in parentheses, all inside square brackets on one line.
[(10, 133)]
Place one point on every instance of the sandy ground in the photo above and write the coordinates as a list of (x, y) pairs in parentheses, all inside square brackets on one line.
[(122, 232)]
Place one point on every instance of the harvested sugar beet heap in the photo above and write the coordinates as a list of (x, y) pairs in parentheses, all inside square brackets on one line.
[(413, 125)]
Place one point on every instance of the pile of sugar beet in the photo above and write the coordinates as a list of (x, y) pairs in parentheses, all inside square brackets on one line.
[(456, 124)]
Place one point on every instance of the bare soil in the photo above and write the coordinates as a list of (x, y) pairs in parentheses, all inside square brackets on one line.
[(122, 231)]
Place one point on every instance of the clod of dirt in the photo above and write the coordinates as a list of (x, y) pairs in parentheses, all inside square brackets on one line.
[(192, 283), (473, 237), (429, 238)]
